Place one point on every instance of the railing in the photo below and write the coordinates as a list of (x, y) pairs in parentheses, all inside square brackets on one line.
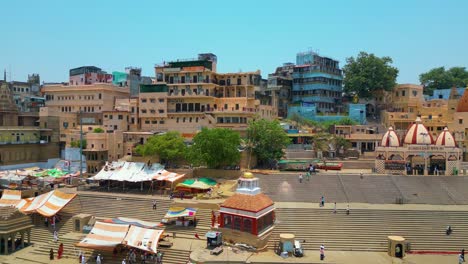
[(23, 142)]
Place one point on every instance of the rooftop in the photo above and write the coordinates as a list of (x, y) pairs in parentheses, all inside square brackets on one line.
[(251, 203)]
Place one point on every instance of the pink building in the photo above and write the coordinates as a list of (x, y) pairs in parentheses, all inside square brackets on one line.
[(89, 75)]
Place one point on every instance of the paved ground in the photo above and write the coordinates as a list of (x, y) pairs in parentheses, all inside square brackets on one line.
[(379, 189)]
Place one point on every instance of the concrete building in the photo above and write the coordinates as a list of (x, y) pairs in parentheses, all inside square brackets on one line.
[(190, 94), (22, 144), (317, 80), (130, 78), (87, 75), (279, 88)]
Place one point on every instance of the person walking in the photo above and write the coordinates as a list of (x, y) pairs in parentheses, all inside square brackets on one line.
[(334, 208), (460, 259), (322, 252), (347, 209), (60, 251), (322, 201), (463, 254), (123, 261), (308, 176), (51, 254), (83, 258), (300, 178), (154, 204), (99, 259), (56, 238), (52, 222)]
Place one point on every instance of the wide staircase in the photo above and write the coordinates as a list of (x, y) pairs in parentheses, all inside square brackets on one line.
[(105, 207), (367, 230)]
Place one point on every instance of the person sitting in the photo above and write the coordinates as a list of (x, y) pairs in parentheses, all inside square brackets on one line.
[(448, 231)]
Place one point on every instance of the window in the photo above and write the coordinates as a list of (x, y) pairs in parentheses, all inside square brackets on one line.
[(147, 121), (237, 106), (237, 222), (161, 111), (415, 93), (153, 111), (154, 121), (190, 120), (403, 93), (143, 100), (115, 127), (152, 100), (161, 100), (161, 122), (460, 121), (247, 225), (120, 117), (110, 116), (100, 96), (227, 221), (225, 106), (177, 120), (143, 111)]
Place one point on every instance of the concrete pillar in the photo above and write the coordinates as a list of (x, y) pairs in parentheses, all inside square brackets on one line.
[(13, 238), (5, 245), (29, 236), (22, 239)]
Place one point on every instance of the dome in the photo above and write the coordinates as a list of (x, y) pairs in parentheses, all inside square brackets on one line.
[(390, 139), (446, 139), (418, 134), (248, 175), (463, 103)]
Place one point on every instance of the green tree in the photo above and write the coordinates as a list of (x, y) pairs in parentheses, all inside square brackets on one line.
[(98, 130), (341, 143), (439, 78), (368, 73), (76, 144), (267, 139), (215, 148), (169, 147)]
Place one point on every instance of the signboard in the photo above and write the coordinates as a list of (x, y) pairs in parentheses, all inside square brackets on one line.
[(426, 148), (88, 120), (194, 68), (171, 69), (394, 165), (175, 100)]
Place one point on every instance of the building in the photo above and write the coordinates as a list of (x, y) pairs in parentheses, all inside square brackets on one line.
[(22, 144), (190, 94), (248, 216), (459, 126), (69, 106), (317, 80), (87, 75), (279, 88), (130, 78), (419, 153)]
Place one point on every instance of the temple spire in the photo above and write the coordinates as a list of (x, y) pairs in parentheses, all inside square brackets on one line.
[(4, 75)]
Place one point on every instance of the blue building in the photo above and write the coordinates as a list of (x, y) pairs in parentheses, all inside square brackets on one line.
[(356, 112), (317, 81)]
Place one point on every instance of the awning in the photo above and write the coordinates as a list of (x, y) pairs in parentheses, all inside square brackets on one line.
[(10, 198), (130, 221), (104, 236), (47, 204), (164, 175), (201, 184), (135, 172), (143, 238), (175, 212)]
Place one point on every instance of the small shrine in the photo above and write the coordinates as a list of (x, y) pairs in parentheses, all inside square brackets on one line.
[(419, 153), (248, 216)]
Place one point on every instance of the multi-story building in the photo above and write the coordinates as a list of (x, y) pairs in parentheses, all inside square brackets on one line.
[(131, 78), (65, 103), (86, 75), (317, 80), (190, 94), (22, 144), (279, 88)]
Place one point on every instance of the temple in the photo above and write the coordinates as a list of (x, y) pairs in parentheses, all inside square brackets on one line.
[(249, 211), (419, 154)]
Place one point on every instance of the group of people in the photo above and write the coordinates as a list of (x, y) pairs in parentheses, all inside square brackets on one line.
[(145, 257), (53, 221)]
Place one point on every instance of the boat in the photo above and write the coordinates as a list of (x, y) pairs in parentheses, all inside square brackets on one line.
[(329, 165)]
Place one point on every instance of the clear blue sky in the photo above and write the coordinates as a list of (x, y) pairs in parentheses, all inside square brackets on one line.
[(50, 37)]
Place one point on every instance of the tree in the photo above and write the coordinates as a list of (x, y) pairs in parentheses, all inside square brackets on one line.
[(169, 147), (98, 130), (341, 143), (368, 73), (439, 78), (215, 148), (76, 144), (267, 139)]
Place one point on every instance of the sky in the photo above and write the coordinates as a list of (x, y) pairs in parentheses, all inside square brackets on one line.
[(50, 37)]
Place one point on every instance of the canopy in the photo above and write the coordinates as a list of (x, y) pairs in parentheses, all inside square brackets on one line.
[(175, 212), (130, 221), (143, 238), (135, 172), (48, 204), (202, 183), (104, 236), (10, 198), (56, 173)]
